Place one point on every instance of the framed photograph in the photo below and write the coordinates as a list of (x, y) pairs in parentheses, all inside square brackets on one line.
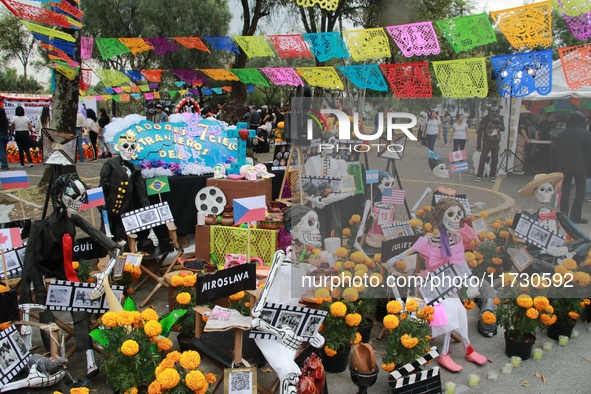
[(539, 235), (347, 184), (15, 259), (312, 326), (522, 259), (118, 295), (522, 228), (555, 241), (134, 259), (130, 223), (82, 298), (75, 297), (165, 213), (392, 149), (398, 229), (8, 356), (146, 218), (59, 295), (291, 319), (13, 354), (303, 321), (119, 266), (19, 344), (267, 315), (479, 225), (240, 380), (535, 233)]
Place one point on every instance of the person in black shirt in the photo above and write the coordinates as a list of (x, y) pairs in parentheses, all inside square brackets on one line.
[(3, 138), (542, 151), (103, 122), (254, 118), (263, 137)]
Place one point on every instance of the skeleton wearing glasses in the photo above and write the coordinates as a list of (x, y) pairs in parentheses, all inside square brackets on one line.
[(124, 187)]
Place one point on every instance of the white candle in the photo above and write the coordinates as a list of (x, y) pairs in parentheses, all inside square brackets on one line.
[(575, 334), (450, 387), (474, 380), (516, 361), (562, 340), (508, 368), (201, 218), (547, 345), (332, 244), (492, 376)]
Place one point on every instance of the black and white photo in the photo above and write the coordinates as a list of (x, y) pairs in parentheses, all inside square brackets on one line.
[(267, 315), (59, 295), (19, 344), (523, 227), (539, 235), (165, 213), (312, 326), (148, 217), (479, 225), (11, 260), (290, 319), (82, 298), (8, 356), (522, 259), (130, 223)]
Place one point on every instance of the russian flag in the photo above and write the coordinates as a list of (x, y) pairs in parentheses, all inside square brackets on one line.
[(14, 180), (96, 198), (10, 238), (458, 167)]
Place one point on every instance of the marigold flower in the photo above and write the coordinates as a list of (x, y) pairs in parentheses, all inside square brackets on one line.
[(420, 213), (489, 317), (532, 313), (176, 281), (5, 325), (152, 328), (560, 269), (149, 314), (190, 360), (338, 266), (550, 309), (376, 275), (377, 258), (360, 267), (428, 227), (130, 348), (210, 378), (391, 322), (132, 390), (125, 318), (478, 255), (137, 317), (169, 378), (189, 280), (109, 319), (127, 268), (137, 272), (582, 277), (496, 226), (428, 310), (341, 252), (472, 263), (573, 315), (541, 303), (547, 320), (491, 270), (183, 298), (175, 356), (346, 232), (350, 294), (356, 218), (164, 344), (587, 301), (484, 214), (411, 306), (403, 316), (468, 304), (329, 352), (570, 264), (353, 319), (497, 261), (525, 301), (496, 301), (470, 256), (389, 367), (401, 265), (75, 265), (155, 388), (419, 223), (356, 340), (394, 307), (82, 390), (338, 309), (491, 236), (349, 264), (504, 234), (358, 257), (408, 341)]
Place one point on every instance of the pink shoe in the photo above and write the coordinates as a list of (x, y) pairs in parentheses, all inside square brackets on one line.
[(448, 363), (476, 358)]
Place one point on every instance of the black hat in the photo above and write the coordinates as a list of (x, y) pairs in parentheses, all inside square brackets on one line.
[(159, 106)]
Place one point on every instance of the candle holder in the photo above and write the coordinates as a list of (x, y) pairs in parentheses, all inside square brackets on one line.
[(538, 353), (450, 387), (547, 345), (516, 361), (574, 334), (562, 340), (474, 380), (507, 369), (493, 376)]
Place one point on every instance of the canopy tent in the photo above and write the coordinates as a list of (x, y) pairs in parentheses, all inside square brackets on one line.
[(560, 89)]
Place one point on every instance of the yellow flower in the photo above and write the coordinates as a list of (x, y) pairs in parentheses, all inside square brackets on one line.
[(490, 236), (176, 281), (75, 265), (391, 322), (346, 274), (350, 294), (355, 218), (489, 317), (3, 289), (478, 255), (509, 222), (496, 301), (358, 257), (560, 269), (127, 268), (164, 344), (389, 367), (356, 340), (353, 319), (346, 232), (525, 301), (149, 314), (211, 379), (377, 258), (183, 298), (504, 234), (587, 301), (532, 313), (468, 304), (582, 277), (491, 270), (329, 352), (169, 378), (321, 295), (472, 263), (496, 225), (82, 390), (338, 309), (152, 328), (411, 306), (420, 213), (341, 252), (196, 381), (428, 227), (408, 342), (547, 320), (497, 261), (470, 256), (541, 303), (484, 214), (573, 315), (130, 348), (570, 264), (394, 307), (360, 267), (5, 325), (125, 318), (401, 265), (349, 264), (419, 223), (190, 360), (137, 317), (189, 280), (338, 266), (237, 297), (109, 319), (132, 390)]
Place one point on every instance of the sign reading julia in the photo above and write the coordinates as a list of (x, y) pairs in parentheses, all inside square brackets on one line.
[(198, 141)]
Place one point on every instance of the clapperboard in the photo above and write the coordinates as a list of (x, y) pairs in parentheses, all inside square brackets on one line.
[(304, 322), (535, 232), (13, 354), (435, 294), (420, 382), (395, 227), (464, 201), (75, 297), (146, 218), (15, 260)]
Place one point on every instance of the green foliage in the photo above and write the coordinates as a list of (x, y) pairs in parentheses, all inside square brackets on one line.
[(415, 328), (241, 306), (336, 332), (564, 306), (83, 271), (365, 307), (16, 43), (512, 317), (186, 323), (10, 81)]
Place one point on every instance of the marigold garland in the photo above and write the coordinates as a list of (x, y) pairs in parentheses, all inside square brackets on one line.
[(190, 360), (338, 309), (353, 319), (130, 348), (169, 378)]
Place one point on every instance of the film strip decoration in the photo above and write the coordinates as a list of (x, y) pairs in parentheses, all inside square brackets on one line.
[(396, 227), (75, 297), (13, 354), (535, 233), (445, 277), (336, 184), (15, 260), (304, 322), (464, 201), (146, 218)]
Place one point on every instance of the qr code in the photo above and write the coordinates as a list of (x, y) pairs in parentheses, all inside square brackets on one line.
[(241, 382)]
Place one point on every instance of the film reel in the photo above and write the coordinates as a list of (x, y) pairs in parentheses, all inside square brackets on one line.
[(210, 200)]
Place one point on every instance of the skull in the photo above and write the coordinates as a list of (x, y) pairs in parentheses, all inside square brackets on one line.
[(126, 149), (328, 139), (251, 173), (452, 218), (387, 181), (545, 192), (243, 169), (261, 171), (219, 171), (441, 171), (307, 230), (73, 197)]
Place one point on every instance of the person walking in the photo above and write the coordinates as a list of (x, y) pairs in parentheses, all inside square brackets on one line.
[(523, 140), (459, 134), (488, 139), (433, 130), (446, 124), (21, 125), (570, 154), (3, 138), (421, 123), (93, 131), (102, 123), (43, 121), (80, 123)]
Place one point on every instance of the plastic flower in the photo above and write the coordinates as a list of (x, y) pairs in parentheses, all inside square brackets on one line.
[(75, 265), (497, 261), (353, 319), (532, 313), (573, 315), (196, 381), (130, 348), (468, 304), (125, 318), (524, 301), (408, 342), (350, 294), (489, 317), (547, 320), (341, 252), (329, 352), (570, 264), (176, 281), (149, 314), (184, 298), (391, 322), (411, 306), (152, 328), (346, 232), (190, 360), (169, 378), (394, 307), (109, 319), (164, 344), (211, 379), (388, 367), (541, 303), (338, 309), (484, 214)]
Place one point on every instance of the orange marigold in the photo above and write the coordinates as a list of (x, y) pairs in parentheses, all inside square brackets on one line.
[(524, 301), (468, 304), (497, 261), (389, 367), (532, 313), (573, 315)]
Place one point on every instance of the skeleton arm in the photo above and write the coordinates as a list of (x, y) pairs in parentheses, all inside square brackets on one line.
[(391, 262), (362, 226), (425, 194), (34, 379)]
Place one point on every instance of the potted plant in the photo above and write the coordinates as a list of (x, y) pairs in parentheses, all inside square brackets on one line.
[(340, 332), (185, 297), (521, 316), (179, 373), (567, 311)]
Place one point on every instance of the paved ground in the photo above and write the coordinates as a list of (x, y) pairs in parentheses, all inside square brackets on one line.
[(566, 369)]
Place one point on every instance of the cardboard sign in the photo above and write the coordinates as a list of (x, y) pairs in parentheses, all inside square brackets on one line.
[(146, 218), (86, 249), (75, 297), (224, 283), (393, 247), (13, 354), (536, 233)]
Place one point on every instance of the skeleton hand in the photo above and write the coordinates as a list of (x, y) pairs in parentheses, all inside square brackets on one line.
[(316, 203), (289, 338), (557, 251), (317, 341), (153, 238)]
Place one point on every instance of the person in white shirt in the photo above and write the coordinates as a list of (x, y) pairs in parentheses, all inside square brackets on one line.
[(459, 134), (432, 130), (21, 125), (80, 123)]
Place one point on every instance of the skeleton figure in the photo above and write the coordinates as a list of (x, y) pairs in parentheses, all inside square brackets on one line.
[(250, 173), (43, 372), (307, 230), (441, 171), (219, 171), (280, 353)]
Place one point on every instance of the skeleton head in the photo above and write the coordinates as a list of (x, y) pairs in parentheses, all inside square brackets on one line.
[(243, 169), (307, 231), (545, 192), (251, 173), (219, 171), (126, 147), (441, 171), (329, 141), (73, 197), (452, 218), (386, 180)]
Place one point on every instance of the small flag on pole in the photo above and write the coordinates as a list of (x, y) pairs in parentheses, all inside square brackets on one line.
[(14, 180), (158, 185), (557, 194), (249, 209), (458, 167), (458, 155), (10, 238), (393, 196), (371, 176), (96, 198)]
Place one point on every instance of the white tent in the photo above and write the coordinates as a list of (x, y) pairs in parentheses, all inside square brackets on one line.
[(560, 89)]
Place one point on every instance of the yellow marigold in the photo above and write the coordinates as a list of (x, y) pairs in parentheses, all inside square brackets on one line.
[(472, 263), (388, 367), (491, 270), (329, 352), (137, 317), (408, 341), (3, 289), (587, 301), (132, 390), (183, 298), (137, 272), (82, 390), (5, 325), (468, 304), (360, 267), (428, 310), (175, 356), (573, 315), (349, 264), (125, 318), (532, 313), (509, 222), (403, 316), (237, 297), (189, 280), (356, 340), (346, 232), (394, 307), (560, 269), (478, 255), (152, 328), (391, 322), (547, 320), (401, 265), (507, 279), (360, 288), (176, 281), (155, 388), (489, 317), (411, 306), (149, 314), (130, 348), (358, 257), (491, 236), (484, 214), (353, 319), (350, 294), (541, 303), (504, 234), (338, 309), (321, 295), (75, 265), (164, 344), (496, 301), (583, 278), (376, 275), (470, 256), (525, 301), (419, 223), (420, 213), (497, 261), (341, 252), (321, 327), (126, 268), (169, 378), (356, 218), (496, 225), (210, 378), (412, 222), (428, 227), (190, 360), (570, 264), (338, 266), (377, 258), (109, 319), (346, 274)]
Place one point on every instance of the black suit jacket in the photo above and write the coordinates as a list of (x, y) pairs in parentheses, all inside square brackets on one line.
[(123, 193)]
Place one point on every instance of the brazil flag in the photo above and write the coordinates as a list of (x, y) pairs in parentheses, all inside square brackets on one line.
[(158, 185)]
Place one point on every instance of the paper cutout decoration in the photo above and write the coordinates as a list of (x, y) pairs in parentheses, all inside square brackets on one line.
[(393, 196), (66, 46), (14, 180), (408, 80), (194, 92), (137, 96), (109, 90), (145, 88), (179, 83), (85, 79), (162, 45), (527, 26), (220, 74), (110, 47), (156, 95), (33, 27), (467, 32), (283, 76), (96, 198), (86, 47), (327, 45), (249, 209), (329, 5), (153, 86), (171, 93), (576, 63), (136, 75), (57, 54), (157, 185), (124, 97), (579, 25), (149, 96), (116, 97), (250, 88), (523, 73), (250, 75), (217, 90), (254, 46), (112, 77), (227, 88), (572, 7), (65, 71), (106, 96), (225, 43), (365, 77), (192, 42), (190, 76), (68, 9), (462, 78), (325, 77), (292, 45), (135, 45), (367, 44), (36, 14), (415, 39), (117, 90), (205, 91), (153, 75), (135, 89)]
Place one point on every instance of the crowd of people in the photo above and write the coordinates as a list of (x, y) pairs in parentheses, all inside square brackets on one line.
[(264, 121)]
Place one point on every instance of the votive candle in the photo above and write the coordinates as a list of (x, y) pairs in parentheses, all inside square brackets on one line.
[(547, 345), (575, 334), (450, 387), (563, 340), (508, 368), (538, 353), (474, 380), (516, 361), (492, 376)]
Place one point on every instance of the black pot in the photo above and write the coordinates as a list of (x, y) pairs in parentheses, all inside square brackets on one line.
[(9, 306), (365, 332), (521, 349), (184, 342), (336, 363), (557, 329), (363, 380), (381, 311)]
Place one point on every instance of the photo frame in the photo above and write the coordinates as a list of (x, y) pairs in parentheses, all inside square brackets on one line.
[(535, 233), (304, 322), (240, 380), (347, 184), (521, 259), (75, 297), (464, 201), (13, 354), (434, 294), (15, 260), (146, 218), (387, 154), (119, 266), (479, 225)]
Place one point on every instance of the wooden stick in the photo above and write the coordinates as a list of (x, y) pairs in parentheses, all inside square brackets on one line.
[(21, 200), (160, 197), (237, 346), (5, 271), (461, 185), (248, 244), (92, 216)]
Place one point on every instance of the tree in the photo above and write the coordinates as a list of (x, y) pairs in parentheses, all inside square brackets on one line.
[(16, 43), (10, 81)]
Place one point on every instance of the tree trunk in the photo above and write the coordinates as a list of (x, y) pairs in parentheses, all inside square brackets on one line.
[(235, 107)]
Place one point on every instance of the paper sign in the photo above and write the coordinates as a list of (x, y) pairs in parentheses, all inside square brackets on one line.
[(10, 238), (458, 155), (96, 198), (393, 196), (384, 217), (14, 180), (158, 185), (458, 167)]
